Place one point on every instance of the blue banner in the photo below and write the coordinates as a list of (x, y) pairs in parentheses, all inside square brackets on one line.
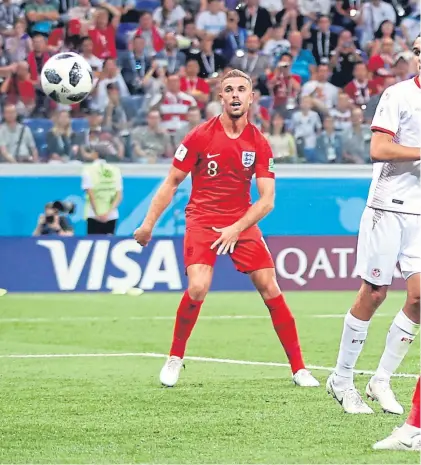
[(104, 264), (321, 206)]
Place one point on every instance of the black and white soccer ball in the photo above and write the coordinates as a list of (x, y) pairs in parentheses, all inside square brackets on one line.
[(67, 78)]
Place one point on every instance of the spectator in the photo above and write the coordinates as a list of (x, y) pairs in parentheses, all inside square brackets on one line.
[(401, 69), (234, 37), (67, 38), (41, 16), (115, 118), (6, 65), (194, 118), (284, 86), (282, 142), (356, 140), (374, 100), (173, 104), (212, 109), (18, 45), (306, 125), (151, 143), (329, 144), (100, 142), (255, 19), (374, 12), (10, 13), (195, 86), (153, 40), (342, 114), (258, 114), (324, 94), (343, 59), (273, 6), (344, 14), (381, 65), (125, 8), (110, 74), (103, 34), (51, 223), (103, 186), (360, 89), (304, 63), (387, 30), (277, 45), (320, 39), (169, 16), (87, 51), (62, 143), (290, 19), (410, 26), (171, 57), (19, 89), (135, 64), (16, 141), (210, 62), (312, 10), (212, 21), (84, 12), (38, 57), (253, 63)]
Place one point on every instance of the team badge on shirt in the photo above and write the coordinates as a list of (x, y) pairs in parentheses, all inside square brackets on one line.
[(248, 158)]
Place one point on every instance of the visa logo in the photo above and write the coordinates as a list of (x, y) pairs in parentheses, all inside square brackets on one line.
[(160, 268)]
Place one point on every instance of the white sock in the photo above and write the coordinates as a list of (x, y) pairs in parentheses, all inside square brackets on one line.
[(353, 338), (409, 429), (401, 333)]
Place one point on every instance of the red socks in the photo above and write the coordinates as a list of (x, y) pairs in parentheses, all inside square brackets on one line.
[(285, 328), (414, 414), (187, 314)]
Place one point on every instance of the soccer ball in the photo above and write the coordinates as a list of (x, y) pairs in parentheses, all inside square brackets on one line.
[(67, 78)]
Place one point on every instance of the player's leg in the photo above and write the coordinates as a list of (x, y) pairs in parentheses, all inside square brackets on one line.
[(408, 436), (199, 260), (251, 255), (377, 253), (405, 326)]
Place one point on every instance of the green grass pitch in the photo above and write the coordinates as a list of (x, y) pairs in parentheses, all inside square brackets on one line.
[(99, 410)]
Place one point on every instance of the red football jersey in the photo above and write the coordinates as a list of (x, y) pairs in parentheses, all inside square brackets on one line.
[(221, 170)]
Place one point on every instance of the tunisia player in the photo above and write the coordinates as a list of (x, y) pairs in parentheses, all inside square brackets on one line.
[(407, 436), (222, 156)]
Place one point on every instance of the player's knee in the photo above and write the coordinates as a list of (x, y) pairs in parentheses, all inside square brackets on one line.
[(197, 289), (413, 303), (375, 294)]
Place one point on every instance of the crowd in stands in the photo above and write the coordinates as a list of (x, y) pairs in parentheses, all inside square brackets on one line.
[(318, 69)]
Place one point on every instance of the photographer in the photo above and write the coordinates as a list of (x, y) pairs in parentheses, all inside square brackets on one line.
[(51, 222)]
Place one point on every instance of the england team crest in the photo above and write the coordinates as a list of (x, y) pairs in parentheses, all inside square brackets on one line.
[(248, 158)]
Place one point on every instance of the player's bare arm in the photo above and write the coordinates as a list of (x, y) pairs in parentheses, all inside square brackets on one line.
[(263, 206), (159, 203), (383, 148)]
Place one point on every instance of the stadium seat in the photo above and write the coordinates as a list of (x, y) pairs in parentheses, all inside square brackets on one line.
[(80, 125), (147, 5), (39, 128), (266, 101), (133, 106), (122, 32)]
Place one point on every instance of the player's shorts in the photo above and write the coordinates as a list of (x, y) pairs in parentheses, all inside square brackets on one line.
[(385, 239), (251, 252)]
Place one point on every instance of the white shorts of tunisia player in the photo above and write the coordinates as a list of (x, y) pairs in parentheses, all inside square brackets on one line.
[(387, 238), (390, 229)]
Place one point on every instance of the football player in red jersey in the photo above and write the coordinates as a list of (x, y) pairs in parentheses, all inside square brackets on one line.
[(222, 156)]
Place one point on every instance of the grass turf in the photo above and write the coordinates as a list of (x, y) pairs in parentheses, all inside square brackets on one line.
[(112, 410)]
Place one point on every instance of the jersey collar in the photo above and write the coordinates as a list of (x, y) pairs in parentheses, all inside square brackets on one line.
[(417, 81)]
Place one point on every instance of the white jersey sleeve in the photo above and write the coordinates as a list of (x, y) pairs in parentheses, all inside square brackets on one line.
[(396, 185), (387, 116)]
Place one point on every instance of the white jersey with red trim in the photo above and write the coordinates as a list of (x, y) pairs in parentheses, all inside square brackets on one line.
[(396, 185)]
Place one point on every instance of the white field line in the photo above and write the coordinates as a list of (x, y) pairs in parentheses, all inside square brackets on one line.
[(196, 359), (158, 318)]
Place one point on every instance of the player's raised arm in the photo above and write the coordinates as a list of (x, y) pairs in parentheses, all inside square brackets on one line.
[(159, 203), (385, 126)]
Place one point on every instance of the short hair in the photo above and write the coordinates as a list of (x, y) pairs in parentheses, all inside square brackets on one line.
[(286, 54), (236, 73)]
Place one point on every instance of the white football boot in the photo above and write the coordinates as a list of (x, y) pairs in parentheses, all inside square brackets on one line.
[(380, 391), (304, 378), (405, 437), (171, 371), (350, 399)]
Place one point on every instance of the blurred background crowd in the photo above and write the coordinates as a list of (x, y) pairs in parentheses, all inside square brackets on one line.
[(318, 68)]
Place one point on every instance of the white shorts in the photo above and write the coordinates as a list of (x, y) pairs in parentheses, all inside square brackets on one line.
[(385, 239)]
